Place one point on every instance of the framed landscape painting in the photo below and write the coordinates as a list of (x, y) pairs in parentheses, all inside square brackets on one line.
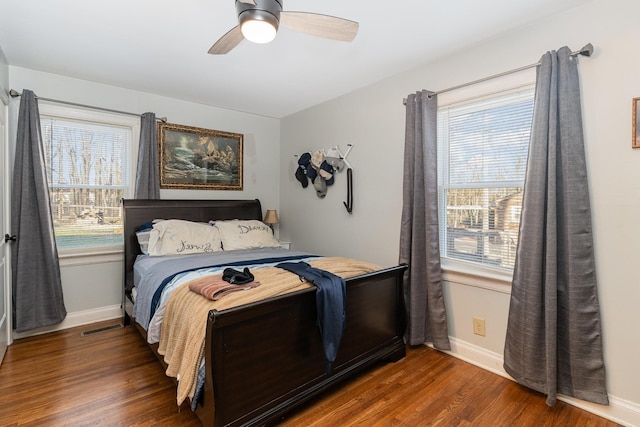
[(200, 159)]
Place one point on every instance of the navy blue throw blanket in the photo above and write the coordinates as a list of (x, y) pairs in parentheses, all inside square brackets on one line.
[(331, 298)]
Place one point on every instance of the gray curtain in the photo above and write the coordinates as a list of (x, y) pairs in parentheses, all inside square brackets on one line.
[(148, 170), (419, 236), (554, 342), (36, 285)]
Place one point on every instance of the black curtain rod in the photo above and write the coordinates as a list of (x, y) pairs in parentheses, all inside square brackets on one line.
[(587, 50), (14, 94)]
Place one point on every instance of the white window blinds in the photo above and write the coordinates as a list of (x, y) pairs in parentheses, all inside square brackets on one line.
[(87, 168), (482, 156)]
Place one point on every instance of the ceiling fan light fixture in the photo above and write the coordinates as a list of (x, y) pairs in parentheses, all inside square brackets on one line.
[(258, 22), (258, 26)]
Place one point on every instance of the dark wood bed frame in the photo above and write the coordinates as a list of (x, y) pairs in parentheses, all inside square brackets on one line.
[(266, 358)]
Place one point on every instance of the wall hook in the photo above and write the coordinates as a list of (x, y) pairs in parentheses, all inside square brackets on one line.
[(349, 203)]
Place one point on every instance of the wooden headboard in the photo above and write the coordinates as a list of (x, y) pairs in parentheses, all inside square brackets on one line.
[(139, 211)]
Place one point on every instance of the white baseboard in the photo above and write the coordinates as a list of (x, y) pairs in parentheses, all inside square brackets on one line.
[(77, 318), (619, 410)]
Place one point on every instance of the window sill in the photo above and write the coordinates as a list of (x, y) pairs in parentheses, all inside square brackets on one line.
[(469, 274), (71, 258)]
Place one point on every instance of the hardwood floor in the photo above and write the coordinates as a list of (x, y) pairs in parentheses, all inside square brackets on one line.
[(111, 378)]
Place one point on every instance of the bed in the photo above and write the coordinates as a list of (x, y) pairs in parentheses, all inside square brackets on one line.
[(265, 358)]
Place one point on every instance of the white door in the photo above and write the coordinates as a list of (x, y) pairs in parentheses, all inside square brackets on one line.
[(5, 283)]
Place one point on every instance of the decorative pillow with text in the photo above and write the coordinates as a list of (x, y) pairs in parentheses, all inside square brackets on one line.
[(245, 234), (179, 237)]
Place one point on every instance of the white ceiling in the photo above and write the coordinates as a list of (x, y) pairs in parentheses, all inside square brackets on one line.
[(160, 46)]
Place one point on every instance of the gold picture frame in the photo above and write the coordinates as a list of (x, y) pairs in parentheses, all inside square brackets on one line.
[(193, 158), (635, 141)]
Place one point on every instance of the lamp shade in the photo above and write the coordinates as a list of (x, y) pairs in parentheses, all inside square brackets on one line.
[(271, 217)]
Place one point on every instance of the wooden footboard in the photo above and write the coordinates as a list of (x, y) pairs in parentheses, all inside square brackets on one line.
[(264, 359)]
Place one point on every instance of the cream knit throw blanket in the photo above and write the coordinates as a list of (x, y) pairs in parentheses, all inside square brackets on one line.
[(185, 320)]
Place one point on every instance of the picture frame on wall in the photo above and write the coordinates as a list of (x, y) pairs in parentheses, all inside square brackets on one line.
[(635, 141), (193, 158)]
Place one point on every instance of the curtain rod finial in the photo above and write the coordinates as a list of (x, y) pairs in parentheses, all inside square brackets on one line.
[(14, 93), (587, 50)]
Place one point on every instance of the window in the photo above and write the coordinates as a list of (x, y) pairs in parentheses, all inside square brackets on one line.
[(88, 158), (482, 156)]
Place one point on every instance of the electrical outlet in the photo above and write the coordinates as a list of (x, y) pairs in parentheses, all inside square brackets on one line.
[(479, 326)]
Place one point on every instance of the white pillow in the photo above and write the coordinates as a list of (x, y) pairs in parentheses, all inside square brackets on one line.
[(178, 237), (241, 234), (143, 240)]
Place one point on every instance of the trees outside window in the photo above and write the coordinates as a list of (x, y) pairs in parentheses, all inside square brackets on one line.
[(88, 158)]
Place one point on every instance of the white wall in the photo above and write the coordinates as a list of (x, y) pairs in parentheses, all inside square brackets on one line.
[(92, 292), (373, 120), (4, 77)]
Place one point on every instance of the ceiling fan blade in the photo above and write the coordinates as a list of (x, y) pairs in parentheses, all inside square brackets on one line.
[(253, 2), (315, 24), (227, 42)]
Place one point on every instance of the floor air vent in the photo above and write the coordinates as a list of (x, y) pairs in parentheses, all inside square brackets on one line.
[(95, 331)]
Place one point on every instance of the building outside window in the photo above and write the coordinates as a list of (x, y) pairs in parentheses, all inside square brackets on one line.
[(482, 155)]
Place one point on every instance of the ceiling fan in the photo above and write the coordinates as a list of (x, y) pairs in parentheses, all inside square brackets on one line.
[(260, 19)]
